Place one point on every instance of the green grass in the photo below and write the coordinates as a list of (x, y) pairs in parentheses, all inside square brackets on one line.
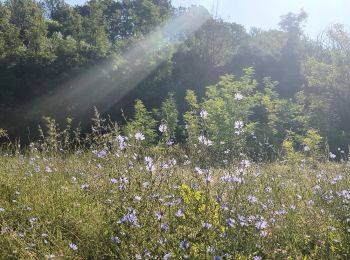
[(271, 210)]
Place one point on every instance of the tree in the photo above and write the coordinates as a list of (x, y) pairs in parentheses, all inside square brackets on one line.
[(11, 49), (328, 86), (52, 7), (28, 17), (67, 21), (94, 30), (291, 78), (205, 55)]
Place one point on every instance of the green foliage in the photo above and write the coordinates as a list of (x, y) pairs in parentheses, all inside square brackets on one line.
[(46, 47), (235, 118), (3, 133), (291, 155), (328, 76), (191, 117), (143, 122), (94, 32), (199, 209), (229, 105), (49, 138), (27, 16), (313, 143), (170, 116)]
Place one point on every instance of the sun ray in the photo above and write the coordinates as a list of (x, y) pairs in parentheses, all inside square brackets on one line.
[(105, 84)]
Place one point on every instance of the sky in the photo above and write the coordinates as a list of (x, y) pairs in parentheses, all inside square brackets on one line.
[(266, 14)]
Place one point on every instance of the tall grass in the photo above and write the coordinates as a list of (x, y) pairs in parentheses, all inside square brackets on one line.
[(108, 196)]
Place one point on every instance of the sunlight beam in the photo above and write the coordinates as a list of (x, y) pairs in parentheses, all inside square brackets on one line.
[(105, 84)]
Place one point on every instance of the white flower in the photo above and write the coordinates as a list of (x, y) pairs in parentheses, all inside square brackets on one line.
[(198, 170), (179, 213), (84, 186), (252, 199), (122, 142), (184, 245), (206, 225), (230, 222), (203, 114), (239, 127), (310, 202), (149, 164), (137, 198), (187, 162), (48, 169), (209, 178), (246, 163), (164, 165), (203, 140), (238, 97), (239, 124), (173, 162), (169, 142), (146, 184), (33, 220), (102, 154), (262, 224), (139, 136), (148, 160), (162, 128), (115, 239), (332, 155), (73, 246)]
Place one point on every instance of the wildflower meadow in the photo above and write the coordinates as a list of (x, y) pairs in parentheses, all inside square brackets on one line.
[(224, 189)]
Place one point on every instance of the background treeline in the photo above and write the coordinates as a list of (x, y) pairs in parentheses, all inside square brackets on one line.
[(298, 88)]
